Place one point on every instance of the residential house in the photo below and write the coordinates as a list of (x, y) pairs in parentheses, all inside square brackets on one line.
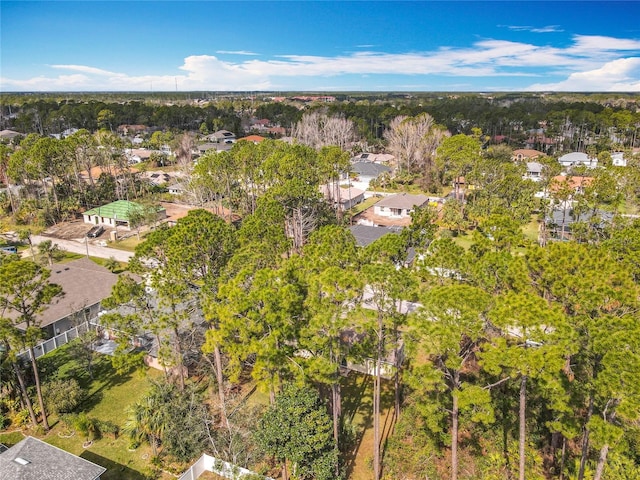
[(365, 234), (277, 131), (137, 155), (366, 172), (132, 129), (400, 205), (222, 136), (344, 198), (177, 188), (526, 155), (85, 284), (372, 157), (618, 160), (561, 221), (212, 147), (576, 183), (10, 136), (117, 214), (534, 171), (255, 139), (538, 140), (33, 459), (576, 159)]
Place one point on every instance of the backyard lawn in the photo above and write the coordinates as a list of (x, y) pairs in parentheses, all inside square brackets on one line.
[(108, 396)]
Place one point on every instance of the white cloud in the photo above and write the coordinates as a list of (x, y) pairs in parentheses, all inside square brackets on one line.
[(236, 52), (84, 69), (621, 75), (590, 62), (526, 28)]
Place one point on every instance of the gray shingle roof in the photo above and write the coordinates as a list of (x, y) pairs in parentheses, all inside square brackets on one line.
[(45, 462), (403, 200), (369, 169), (84, 283), (366, 235)]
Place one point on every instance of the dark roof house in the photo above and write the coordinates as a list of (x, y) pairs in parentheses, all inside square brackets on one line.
[(33, 459), (85, 284)]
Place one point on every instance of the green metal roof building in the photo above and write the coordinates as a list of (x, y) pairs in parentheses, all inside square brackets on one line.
[(117, 213)]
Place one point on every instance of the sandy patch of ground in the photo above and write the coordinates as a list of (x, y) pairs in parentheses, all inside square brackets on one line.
[(70, 230), (369, 217)]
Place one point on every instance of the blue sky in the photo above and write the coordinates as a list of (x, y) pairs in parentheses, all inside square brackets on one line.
[(319, 46)]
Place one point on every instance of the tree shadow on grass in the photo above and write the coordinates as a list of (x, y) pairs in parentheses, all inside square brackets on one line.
[(115, 471), (356, 399)]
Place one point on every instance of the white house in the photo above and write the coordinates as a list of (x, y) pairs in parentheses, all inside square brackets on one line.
[(365, 172), (222, 136), (347, 197), (575, 159), (399, 206), (618, 159), (534, 171)]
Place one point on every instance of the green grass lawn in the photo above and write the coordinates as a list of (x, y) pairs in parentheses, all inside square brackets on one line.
[(128, 244), (108, 396), (357, 407)]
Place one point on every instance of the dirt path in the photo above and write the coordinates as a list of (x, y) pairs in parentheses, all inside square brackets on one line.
[(82, 247)]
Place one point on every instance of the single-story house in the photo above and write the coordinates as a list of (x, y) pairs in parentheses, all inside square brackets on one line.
[(208, 147), (85, 284), (177, 188), (132, 129), (560, 222), (575, 159), (10, 135), (400, 205), (372, 157), (347, 197), (116, 213), (366, 234), (222, 136), (33, 459), (575, 182), (365, 172), (534, 171), (255, 139), (137, 155), (525, 154), (618, 160)]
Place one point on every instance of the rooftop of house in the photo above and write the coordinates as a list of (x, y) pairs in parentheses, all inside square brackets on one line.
[(534, 167), (369, 169), (573, 181), (366, 235), (83, 282), (120, 209), (527, 153), (403, 200), (9, 134), (252, 138), (574, 157), (346, 193), (33, 459)]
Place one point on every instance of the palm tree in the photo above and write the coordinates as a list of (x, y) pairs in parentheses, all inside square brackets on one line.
[(146, 419)]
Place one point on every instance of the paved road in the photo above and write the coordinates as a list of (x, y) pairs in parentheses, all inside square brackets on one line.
[(81, 247)]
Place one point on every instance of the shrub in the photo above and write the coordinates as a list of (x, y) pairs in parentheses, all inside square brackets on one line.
[(63, 396), (87, 426)]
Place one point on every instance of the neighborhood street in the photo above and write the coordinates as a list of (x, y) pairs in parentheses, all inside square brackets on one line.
[(75, 246)]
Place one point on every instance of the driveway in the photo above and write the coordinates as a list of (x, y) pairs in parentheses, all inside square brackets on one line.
[(82, 247)]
